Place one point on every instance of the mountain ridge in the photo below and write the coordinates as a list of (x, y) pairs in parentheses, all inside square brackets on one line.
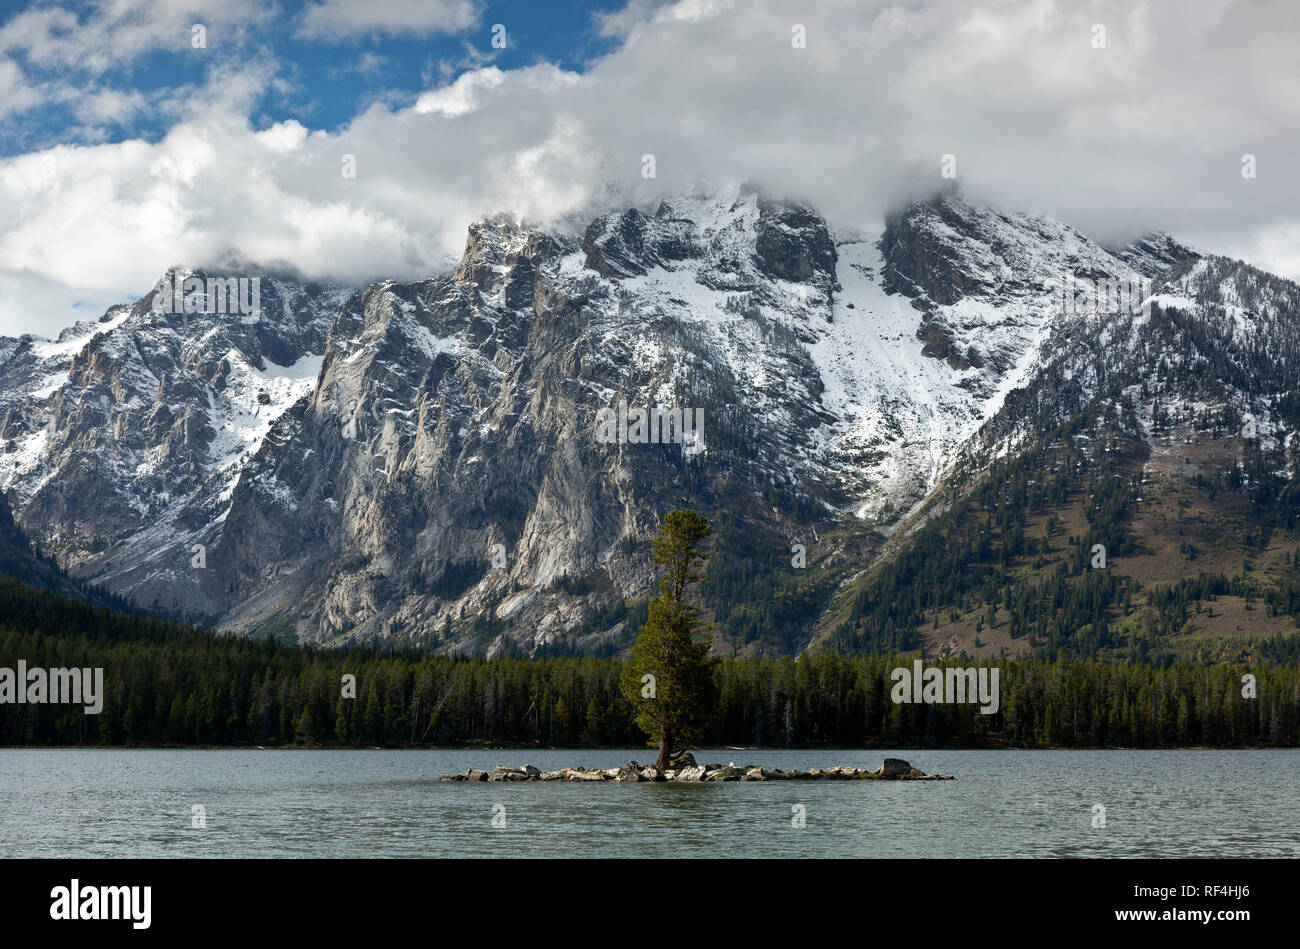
[(425, 470)]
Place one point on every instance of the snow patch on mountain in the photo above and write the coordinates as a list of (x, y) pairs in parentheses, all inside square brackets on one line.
[(250, 402)]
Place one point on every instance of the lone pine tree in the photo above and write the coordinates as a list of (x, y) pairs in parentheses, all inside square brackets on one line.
[(669, 676)]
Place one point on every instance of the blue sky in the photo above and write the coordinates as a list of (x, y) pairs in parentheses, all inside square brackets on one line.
[(325, 80)]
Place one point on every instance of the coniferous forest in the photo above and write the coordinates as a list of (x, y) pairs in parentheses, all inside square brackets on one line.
[(168, 684)]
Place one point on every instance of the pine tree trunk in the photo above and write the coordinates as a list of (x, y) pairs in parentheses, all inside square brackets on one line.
[(665, 751)]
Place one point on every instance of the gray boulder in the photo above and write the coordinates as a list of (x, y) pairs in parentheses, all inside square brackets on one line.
[(896, 767), (684, 760)]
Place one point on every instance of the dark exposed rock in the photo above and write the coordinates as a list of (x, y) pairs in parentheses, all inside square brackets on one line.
[(1156, 255), (684, 760), (793, 243), (616, 246), (922, 258), (940, 344), (629, 244), (519, 284), (896, 767)]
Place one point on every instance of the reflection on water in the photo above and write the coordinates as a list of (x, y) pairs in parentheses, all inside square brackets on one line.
[(120, 803)]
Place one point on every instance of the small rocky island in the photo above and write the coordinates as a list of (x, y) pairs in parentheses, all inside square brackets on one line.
[(684, 768)]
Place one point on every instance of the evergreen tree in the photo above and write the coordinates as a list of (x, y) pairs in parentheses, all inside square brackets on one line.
[(668, 677)]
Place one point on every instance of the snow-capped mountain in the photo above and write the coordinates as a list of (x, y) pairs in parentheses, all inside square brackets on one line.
[(423, 462), (127, 434)]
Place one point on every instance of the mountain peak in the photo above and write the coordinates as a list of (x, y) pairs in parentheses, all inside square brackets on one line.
[(351, 463), (1156, 254)]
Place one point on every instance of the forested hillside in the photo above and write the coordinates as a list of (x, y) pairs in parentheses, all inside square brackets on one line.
[(1179, 477), (168, 684)]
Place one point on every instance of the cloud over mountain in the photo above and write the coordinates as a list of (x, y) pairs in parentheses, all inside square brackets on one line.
[(1148, 131)]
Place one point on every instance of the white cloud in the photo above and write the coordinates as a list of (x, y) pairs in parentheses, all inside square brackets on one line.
[(347, 19), (1275, 248), (109, 105), (619, 23), (461, 96), (29, 300), (115, 32), (34, 32), (1145, 133), (65, 57), (16, 95), (370, 64)]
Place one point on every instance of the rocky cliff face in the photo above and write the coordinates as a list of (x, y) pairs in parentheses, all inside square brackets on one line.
[(446, 475), (19, 559), (423, 462), (125, 436)]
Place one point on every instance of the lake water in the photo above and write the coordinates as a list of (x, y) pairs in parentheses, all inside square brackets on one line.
[(138, 803)]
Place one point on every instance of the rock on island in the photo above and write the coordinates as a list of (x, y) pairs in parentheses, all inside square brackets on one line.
[(684, 768)]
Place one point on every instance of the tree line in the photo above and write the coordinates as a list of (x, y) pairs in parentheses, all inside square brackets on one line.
[(168, 684)]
